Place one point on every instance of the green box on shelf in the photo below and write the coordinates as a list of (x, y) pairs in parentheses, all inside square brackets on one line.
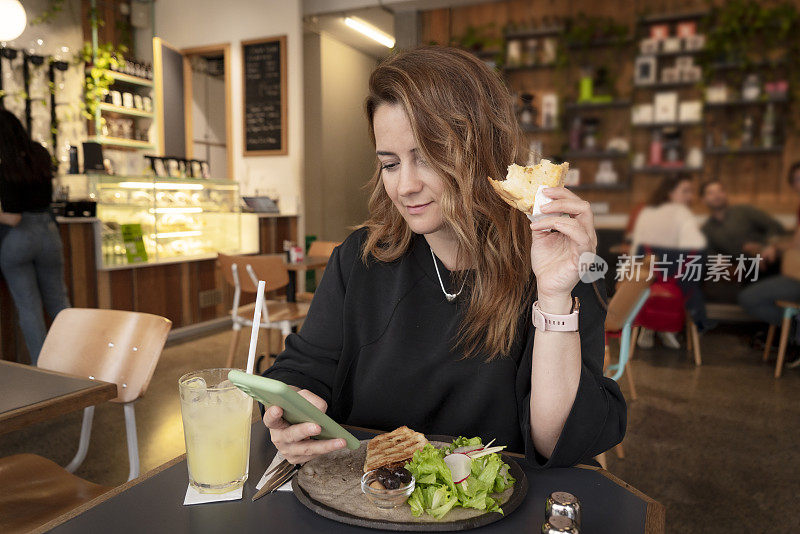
[(134, 244)]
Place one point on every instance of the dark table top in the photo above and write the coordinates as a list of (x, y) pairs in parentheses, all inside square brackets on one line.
[(154, 503), (30, 394), (309, 262)]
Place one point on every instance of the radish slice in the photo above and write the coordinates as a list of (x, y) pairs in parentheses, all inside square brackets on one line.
[(460, 465), (468, 449)]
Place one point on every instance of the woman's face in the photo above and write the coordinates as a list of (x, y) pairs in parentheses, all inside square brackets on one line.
[(683, 193), (413, 186)]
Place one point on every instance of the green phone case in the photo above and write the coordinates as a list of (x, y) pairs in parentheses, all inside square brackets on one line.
[(296, 409)]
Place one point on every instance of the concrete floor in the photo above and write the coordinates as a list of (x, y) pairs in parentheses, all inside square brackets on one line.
[(717, 445)]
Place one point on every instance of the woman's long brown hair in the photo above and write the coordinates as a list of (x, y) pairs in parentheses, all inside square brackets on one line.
[(463, 120)]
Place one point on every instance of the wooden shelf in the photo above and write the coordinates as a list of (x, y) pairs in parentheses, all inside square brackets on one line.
[(621, 186), (535, 32), (666, 170), (724, 151), (603, 43), (537, 129), (573, 106), (673, 54), (655, 125), (672, 17), (525, 68), (594, 154), (659, 86), (127, 78), (759, 102), (736, 65), (123, 143), (103, 106)]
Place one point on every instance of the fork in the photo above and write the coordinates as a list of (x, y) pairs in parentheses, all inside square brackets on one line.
[(281, 473)]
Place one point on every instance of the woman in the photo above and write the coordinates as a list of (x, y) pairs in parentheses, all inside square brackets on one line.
[(30, 257), (423, 317), (667, 228)]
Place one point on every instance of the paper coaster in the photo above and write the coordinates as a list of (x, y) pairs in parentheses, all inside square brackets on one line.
[(195, 497)]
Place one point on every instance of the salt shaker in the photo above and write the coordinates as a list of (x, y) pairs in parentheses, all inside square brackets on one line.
[(561, 503), (559, 524)]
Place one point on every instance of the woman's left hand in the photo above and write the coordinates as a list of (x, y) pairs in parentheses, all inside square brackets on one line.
[(555, 255)]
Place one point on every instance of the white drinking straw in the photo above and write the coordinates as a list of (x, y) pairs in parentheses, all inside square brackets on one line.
[(251, 355)]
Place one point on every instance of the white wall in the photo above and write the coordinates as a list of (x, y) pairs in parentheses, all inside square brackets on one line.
[(208, 120), (340, 157), (185, 24)]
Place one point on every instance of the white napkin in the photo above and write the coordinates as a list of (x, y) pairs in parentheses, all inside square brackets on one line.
[(195, 497), (275, 461)]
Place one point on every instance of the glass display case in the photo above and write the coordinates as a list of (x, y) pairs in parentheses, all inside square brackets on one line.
[(180, 218)]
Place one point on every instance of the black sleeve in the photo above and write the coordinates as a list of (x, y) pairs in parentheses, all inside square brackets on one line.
[(598, 416), (311, 356), (764, 222)]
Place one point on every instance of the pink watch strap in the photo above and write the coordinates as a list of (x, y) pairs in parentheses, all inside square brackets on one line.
[(556, 323)]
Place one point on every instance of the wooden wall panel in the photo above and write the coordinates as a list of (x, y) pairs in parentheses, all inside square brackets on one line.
[(158, 290), (756, 179)]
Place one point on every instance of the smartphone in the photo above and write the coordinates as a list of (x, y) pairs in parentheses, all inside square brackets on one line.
[(296, 409)]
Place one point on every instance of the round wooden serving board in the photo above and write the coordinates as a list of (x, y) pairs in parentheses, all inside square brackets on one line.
[(330, 486)]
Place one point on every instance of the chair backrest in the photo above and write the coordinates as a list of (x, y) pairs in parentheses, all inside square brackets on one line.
[(790, 264), (627, 295), (116, 346), (272, 269), (322, 248)]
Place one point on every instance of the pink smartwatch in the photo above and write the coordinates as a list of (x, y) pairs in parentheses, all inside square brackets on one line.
[(551, 322)]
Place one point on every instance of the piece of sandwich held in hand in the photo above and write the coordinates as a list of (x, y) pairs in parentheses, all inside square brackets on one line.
[(523, 186)]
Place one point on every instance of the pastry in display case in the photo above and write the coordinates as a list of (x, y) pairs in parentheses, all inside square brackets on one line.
[(180, 218)]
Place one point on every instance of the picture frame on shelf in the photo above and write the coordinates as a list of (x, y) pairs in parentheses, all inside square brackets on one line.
[(642, 114), (665, 107), (694, 43), (644, 72), (672, 45), (690, 111), (649, 46), (670, 75)]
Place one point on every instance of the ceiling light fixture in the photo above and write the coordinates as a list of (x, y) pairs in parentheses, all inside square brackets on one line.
[(12, 19), (370, 31)]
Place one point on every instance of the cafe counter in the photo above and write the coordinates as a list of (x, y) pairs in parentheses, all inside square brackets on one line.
[(176, 276)]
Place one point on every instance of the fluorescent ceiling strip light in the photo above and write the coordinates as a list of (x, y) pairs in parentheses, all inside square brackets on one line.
[(176, 210), (370, 31), (188, 233)]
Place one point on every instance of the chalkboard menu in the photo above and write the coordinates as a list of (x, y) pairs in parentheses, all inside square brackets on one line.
[(264, 86)]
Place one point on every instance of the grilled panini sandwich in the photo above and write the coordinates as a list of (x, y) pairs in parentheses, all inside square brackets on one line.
[(393, 449)]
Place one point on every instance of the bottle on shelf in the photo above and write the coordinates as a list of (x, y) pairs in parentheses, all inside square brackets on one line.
[(655, 149), (768, 127), (747, 131), (575, 134)]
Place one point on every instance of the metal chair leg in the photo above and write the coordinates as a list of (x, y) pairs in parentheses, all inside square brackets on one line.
[(698, 357), (237, 329), (83, 444), (785, 328), (133, 441), (770, 339)]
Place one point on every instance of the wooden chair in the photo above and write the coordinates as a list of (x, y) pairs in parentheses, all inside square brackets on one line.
[(790, 266), (275, 314), (623, 308), (116, 346), (322, 249), (37, 490)]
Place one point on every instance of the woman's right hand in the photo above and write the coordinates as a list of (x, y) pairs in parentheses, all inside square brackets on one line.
[(294, 441)]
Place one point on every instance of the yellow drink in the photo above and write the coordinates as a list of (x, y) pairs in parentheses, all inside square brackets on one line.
[(216, 427)]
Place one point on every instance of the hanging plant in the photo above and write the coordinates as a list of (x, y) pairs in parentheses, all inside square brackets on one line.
[(54, 7), (99, 64)]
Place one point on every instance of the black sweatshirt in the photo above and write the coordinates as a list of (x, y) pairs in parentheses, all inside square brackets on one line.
[(377, 346)]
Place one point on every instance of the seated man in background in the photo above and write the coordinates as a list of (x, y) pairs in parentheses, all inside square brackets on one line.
[(759, 298), (740, 229)]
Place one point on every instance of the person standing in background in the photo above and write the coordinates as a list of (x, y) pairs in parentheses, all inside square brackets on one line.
[(740, 229), (31, 257), (667, 228)]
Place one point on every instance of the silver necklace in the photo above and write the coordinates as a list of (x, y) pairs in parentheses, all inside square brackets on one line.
[(449, 296)]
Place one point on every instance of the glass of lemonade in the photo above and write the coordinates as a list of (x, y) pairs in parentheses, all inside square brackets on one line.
[(216, 426)]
